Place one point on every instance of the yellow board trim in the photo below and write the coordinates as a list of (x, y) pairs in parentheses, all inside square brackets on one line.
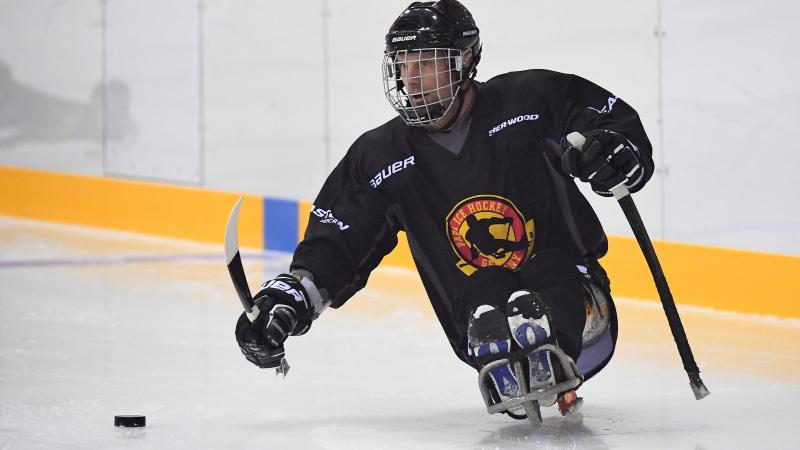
[(143, 207), (720, 278), (725, 279), (303, 214)]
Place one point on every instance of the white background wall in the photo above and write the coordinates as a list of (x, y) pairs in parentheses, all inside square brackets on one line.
[(265, 97), (152, 48), (731, 105)]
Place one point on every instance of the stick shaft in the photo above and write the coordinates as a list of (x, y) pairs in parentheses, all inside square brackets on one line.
[(621, 193), (675, 324)]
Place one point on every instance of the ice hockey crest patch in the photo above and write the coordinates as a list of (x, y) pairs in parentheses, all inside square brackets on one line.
[(489, 230)]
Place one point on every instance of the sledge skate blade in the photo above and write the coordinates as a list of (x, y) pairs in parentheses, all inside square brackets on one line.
[(532, 408), (533, 412), (529, 399)]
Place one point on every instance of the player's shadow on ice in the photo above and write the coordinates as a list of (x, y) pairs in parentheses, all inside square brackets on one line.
[(554, 432)]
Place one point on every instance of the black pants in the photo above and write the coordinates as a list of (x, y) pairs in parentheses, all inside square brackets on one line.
[(563, 287)]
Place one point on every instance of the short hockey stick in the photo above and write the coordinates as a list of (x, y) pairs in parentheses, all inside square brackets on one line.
[(235, 269), (622, 195)]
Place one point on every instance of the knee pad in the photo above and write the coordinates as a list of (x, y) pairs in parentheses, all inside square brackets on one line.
[(598, 314)]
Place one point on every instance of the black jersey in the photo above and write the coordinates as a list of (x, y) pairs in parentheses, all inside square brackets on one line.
[(503, 197)]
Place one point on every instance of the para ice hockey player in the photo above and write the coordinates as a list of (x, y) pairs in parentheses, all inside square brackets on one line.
[(479, 177)]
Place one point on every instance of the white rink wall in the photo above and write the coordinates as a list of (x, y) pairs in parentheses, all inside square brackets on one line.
[(265, 97)]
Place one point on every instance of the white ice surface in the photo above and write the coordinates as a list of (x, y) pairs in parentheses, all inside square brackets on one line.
[(92, 324)]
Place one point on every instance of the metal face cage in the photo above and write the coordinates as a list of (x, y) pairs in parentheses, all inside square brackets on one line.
[(422, 84)]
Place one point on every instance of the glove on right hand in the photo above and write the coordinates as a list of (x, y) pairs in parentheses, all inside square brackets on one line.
[(284, 311), (255, 346)]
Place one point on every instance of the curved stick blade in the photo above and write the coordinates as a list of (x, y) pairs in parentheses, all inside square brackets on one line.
[(234, 261), (232, 232)]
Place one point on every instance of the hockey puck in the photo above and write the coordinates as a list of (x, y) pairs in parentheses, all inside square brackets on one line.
[(129, 421)]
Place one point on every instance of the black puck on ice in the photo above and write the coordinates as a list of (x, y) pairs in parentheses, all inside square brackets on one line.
[(129, 421)]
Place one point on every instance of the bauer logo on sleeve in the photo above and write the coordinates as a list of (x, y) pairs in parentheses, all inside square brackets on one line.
[(488, 230), (390, 170)]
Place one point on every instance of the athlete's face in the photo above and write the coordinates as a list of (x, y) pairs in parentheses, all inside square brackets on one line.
[(426, 75)]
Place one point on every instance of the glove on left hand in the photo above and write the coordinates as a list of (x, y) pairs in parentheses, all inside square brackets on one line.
[(606, 160)]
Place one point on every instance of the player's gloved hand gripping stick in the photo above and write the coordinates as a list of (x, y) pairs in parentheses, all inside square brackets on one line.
[(622, 195), (234, 262)]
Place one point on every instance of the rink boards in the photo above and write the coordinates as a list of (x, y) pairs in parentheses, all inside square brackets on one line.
[(726, 279)]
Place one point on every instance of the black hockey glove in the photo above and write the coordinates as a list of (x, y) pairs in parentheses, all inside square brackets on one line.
[(284, 310), (606, 160)]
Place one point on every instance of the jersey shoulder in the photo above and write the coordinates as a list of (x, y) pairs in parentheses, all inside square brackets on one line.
[(530, 81), (536, 91), (379, 140), (380, 147)]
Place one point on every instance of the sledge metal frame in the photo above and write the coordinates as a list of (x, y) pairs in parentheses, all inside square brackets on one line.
[(529, 399)]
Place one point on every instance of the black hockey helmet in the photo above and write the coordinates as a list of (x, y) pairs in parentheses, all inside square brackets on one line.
[(444, 29), (442, 24)]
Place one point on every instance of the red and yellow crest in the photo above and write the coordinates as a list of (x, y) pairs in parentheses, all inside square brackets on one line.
[(488, 230)]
